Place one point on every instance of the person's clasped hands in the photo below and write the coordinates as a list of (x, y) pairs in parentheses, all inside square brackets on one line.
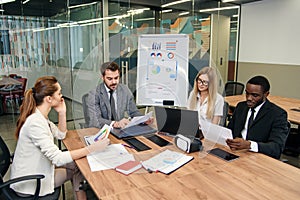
[(99, 145), (238, 143)]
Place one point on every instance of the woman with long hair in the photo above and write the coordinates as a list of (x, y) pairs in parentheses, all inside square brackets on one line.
[(205, 97), (36, 152)]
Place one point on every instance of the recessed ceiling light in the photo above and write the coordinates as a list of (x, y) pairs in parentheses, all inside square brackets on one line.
[(6, 1)]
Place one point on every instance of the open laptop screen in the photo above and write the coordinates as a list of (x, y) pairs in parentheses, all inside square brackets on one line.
[(176, 121)]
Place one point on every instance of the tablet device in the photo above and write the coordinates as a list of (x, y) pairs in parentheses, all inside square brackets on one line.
[(158, 140), (138, 145), (223, 154)]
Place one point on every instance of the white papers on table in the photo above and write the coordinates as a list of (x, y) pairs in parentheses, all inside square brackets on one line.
[(215, 133), (113, 156), (139, 119)]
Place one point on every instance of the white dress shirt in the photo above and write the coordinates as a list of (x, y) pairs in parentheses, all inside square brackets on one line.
[(253, 145)]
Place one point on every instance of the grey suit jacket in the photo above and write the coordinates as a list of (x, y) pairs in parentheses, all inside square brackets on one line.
[(99, 109), (269, 128)]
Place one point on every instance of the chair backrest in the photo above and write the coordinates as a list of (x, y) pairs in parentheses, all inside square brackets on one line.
[(24, 82), (4, 157), (223, 121), (85, 109), (234, 88)]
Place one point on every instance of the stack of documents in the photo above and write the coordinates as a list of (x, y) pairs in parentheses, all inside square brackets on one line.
[(166, 161), (113, 156)]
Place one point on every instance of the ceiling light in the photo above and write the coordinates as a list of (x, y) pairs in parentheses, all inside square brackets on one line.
[(165, 11), (216, 9), (174, 3), (183, 13), (26, 1), (227, 1), (145, 19), (86, 4), (6, 1)]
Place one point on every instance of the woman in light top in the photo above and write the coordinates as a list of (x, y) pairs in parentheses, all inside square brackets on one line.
[(205, 97), (36, 152)]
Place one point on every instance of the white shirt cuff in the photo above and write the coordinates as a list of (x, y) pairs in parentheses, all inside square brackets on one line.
[(253, 146)]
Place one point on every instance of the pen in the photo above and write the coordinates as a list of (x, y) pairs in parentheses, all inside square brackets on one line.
[(96, 139), (126, 145)]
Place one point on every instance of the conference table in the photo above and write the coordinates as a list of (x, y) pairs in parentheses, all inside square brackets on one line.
[(251, 176), (288, 104)]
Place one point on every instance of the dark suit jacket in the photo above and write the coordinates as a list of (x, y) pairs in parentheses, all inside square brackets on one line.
[(99, 109), (269, 128)]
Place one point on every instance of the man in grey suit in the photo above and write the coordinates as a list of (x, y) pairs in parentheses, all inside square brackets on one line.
[(104, 110), (266, 130)]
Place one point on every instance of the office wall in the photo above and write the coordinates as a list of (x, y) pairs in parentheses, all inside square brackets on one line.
[(269, 44)]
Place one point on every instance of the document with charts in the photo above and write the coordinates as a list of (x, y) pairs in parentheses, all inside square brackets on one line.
[(103, 133), (166, 161)]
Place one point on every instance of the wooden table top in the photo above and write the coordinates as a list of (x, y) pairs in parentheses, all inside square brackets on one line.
[(252, 176), (286, 103), (5, 80)]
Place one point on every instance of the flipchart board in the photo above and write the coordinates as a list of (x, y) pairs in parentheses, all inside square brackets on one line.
[(162, 70)]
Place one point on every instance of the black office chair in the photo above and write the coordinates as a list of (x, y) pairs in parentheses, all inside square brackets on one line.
[(224, 118), (85, 111), (234, 88), (292, 145), (6, 192)]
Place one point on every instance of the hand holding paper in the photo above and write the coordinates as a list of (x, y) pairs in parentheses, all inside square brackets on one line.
[(102, 134), (139, 120), (215, 133)]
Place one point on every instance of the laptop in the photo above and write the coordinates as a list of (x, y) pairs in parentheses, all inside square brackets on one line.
[(172, 121), (140, 129)]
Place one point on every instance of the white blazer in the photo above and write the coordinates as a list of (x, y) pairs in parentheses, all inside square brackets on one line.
[(36, 153)]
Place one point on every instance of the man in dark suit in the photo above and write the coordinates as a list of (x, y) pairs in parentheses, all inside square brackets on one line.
[(99, 101), (266, 130)]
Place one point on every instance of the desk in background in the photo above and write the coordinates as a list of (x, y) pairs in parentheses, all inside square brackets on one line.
[(5, 81), (252, 176), (285, 103)]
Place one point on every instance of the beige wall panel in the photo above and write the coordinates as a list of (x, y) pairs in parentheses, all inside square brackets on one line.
[(284, 79)]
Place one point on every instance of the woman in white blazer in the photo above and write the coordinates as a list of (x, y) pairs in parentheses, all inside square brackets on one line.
[(36, 152)]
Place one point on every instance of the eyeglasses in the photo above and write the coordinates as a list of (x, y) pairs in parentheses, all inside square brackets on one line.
[(203, 82)]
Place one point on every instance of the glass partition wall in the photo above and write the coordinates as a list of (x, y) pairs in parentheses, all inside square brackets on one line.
[(74, 41)]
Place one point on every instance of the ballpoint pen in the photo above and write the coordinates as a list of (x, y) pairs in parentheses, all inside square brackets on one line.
[(126, 145)]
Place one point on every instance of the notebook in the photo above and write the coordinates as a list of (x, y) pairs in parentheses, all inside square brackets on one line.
[(173, 121), (129, 167), (140, 129)]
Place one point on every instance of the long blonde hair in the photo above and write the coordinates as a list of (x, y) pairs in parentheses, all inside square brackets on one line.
[(212, 90), (44, 86)]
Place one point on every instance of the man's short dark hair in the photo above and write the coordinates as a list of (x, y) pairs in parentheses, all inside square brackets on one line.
[(262, 81), (110, 66)]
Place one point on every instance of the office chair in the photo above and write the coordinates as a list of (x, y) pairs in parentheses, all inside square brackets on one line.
[(85, 111), (13, 95), (292, 145), (6, 192), (224, 118), (234, 88)]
